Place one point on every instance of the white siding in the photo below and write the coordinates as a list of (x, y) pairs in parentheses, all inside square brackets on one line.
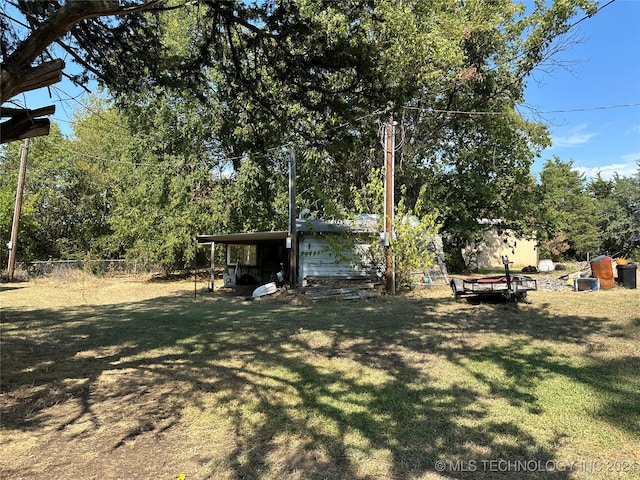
[(317, 260)]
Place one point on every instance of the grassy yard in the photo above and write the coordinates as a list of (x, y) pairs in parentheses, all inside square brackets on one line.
[(134, 379)]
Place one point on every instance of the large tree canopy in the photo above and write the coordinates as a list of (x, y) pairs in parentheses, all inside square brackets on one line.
[(214, 83), (275, 60)]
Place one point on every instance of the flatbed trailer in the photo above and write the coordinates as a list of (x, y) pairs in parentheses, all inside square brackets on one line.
[(511, 287)]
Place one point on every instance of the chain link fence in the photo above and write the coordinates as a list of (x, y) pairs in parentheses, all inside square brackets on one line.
[(96, 267)]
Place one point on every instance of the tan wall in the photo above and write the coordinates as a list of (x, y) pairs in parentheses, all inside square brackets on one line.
[(520, 251)]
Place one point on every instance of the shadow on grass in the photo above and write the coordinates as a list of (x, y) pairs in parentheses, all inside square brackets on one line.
[(333, 391), (9, 286)]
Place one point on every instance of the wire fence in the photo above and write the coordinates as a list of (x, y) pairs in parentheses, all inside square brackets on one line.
[(97, 267)]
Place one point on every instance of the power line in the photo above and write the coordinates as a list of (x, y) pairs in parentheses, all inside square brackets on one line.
[(269, 152), (589, 109), (132, 162), (476, 112), (589, 16), (84, 106)]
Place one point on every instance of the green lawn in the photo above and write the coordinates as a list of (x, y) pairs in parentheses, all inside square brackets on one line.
[(107, 378)]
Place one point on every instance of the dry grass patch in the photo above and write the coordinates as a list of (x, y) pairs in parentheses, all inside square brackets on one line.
[(136, 379)]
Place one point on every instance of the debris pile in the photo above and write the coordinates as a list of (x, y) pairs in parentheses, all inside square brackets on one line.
[(340, 290), (549, 283), (358, 293)]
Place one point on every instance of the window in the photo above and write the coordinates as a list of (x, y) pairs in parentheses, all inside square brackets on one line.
[(243, 254)]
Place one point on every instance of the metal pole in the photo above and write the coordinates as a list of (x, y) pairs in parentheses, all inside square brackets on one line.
[(13, 243), (293, 234), (389, 200)]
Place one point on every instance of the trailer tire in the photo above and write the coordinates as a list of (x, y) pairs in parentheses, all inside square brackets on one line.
[(457, 287)]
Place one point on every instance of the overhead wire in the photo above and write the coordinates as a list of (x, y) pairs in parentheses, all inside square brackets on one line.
[(218, 160), (212, 163), (69, 98), (480, 112)]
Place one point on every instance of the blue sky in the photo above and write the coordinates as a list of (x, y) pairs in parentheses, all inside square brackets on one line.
[(607, 73), (604, 72)]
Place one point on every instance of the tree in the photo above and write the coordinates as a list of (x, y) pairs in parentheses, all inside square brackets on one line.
[(275, 62), (234, 80), (123, 45), (413, 246), (465, 149), (259, 199), (62, 211), (161, 190), (618, 213), (567, 211)]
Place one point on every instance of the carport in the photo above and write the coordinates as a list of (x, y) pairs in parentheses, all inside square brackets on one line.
[(251, 258)]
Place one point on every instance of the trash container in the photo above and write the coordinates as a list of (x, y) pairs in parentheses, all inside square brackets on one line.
[(627, 275), (602, 268)]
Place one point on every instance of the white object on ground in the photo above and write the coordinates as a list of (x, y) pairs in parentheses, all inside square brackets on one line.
[(546, 266), (266, 289)]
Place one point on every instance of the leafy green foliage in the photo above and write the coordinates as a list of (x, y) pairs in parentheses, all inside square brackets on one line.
[(164, 188), (63, 206), (207, 93), (259, 199), (413, 244), (567, 210), (617, 205), (577, 217)]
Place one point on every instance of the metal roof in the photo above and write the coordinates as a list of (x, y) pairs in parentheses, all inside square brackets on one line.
[(242, 237), (360, 225)]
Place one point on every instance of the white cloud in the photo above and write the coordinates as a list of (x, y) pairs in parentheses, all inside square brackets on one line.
[(626, 169), (574, 136)]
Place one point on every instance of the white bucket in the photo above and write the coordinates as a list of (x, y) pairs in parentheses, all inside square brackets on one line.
[(546, 266)]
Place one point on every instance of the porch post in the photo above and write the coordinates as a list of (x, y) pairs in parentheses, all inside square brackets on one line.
[(213, 274), (293, 252)]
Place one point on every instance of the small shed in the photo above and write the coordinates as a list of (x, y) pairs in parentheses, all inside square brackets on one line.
[(256, 257), (250, 258), (337, 250), (496, 243)]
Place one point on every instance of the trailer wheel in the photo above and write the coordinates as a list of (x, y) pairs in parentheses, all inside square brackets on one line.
[(456, 289)]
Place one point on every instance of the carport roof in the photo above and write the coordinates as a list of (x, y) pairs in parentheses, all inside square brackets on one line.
[(364, 223), (242, 237)]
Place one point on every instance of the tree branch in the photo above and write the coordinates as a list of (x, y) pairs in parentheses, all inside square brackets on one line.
[(60, 22)]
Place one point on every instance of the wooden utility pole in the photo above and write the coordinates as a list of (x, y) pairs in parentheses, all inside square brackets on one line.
[(293, 234), (389, 200), (13, 243)]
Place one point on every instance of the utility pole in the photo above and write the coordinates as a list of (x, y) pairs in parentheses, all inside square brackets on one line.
[(16, 212), (293, 234), (389, 200)]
